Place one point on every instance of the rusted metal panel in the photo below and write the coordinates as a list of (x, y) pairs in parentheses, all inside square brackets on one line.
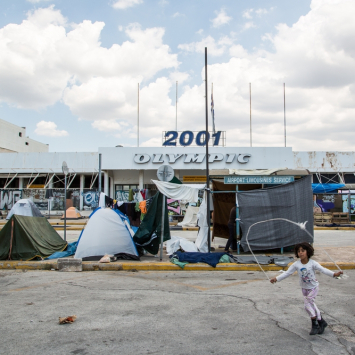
[(325, 161)]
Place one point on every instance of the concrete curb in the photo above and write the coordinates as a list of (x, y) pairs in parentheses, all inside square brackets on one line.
[(153, 266)]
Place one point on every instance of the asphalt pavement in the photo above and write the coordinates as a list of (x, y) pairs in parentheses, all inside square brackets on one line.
[(170, 313)]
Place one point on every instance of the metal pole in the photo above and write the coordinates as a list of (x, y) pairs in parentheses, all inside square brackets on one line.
[(285, 113), (65, 207), (162, 229), (138, 119), (251, 141), (237, 219), (100, 188), (176, 104), (207, 170)]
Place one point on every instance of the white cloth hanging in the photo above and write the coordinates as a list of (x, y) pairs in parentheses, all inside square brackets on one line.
[(102, 200), (202, 236), (179, 191)]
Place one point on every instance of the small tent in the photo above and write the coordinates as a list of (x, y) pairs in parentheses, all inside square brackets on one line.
[(24, 207), (72, 213), (25, 238), (106, 232)]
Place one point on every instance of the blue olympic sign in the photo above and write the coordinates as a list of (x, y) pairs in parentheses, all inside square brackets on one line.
[(186, 138)]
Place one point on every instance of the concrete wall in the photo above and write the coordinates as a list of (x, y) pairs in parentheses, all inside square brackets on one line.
[(13, 138), (325, 161)]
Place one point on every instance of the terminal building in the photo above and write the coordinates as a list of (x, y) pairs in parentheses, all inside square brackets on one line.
[(38, 174)]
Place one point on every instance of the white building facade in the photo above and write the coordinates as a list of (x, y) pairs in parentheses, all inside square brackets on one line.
[(13, 139), (39, 175)]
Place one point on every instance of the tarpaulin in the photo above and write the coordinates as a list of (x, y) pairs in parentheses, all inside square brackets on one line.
[(292, 201), (324, 188), (151, 226)]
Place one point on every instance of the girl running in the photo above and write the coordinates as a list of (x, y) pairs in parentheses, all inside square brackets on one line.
[(306, 268)]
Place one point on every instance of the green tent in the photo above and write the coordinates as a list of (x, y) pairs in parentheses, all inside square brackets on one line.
[(28, 238), (152, 223)]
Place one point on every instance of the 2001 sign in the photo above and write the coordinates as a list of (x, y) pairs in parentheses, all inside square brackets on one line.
[(187, 137)]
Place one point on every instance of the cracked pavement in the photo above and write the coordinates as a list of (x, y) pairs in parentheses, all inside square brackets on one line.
[(170, 313)]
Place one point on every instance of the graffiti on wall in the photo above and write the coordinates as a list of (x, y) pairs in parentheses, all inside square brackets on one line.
[(38, 196), (90, 199), (8, 198)]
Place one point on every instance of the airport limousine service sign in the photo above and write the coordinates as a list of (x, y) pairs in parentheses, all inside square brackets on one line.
[(258, 179)]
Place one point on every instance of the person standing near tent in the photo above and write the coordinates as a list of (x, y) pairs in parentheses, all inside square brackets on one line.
[(306, 269), (232, 229)]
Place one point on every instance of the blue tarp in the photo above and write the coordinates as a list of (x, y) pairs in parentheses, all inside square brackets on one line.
[(325, 188), (70, 250), (208, 258)]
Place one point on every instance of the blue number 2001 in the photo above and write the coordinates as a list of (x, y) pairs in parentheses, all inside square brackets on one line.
[(187, 137)]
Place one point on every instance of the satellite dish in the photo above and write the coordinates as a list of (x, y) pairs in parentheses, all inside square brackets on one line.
[(65, 168), (165, 173)]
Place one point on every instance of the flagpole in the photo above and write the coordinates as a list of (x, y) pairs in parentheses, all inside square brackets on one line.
[(207, 169), (176, 105), (212, 110), (251, 141), (285, 114), (138, 118)]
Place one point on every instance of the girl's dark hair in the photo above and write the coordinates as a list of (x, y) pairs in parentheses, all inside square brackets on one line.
[(305, 246)]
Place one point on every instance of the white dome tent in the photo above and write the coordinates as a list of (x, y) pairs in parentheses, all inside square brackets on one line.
[(24, 207), (106, 233)]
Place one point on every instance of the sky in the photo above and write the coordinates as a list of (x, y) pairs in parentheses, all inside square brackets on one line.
[(70, 71)]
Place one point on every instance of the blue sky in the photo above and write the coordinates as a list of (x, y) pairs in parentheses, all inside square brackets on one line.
[(70, 70)]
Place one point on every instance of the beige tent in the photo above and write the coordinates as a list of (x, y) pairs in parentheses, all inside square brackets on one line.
[(72, 213)]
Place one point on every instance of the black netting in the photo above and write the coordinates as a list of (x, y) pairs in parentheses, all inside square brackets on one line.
[(292, 201)]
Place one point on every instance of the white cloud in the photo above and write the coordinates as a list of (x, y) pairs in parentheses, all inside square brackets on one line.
[(178, 14), (248, 14), (215, 48), (125, 4), (36, 1), (259, 12), (248, 25), (107, 125), (42, 62), (49, 129), (315, 57), (221, 19)]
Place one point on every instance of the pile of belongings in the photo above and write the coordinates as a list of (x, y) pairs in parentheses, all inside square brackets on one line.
[(179, 243), (181, 259), (278, 260)]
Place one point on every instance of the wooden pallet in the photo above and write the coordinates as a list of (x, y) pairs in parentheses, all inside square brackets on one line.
[(340, 217), (323, 218)]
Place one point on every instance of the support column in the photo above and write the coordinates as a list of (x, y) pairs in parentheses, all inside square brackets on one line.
[(141, 180), (82, 185), (20, 183), (112, 188), (106, 191)]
